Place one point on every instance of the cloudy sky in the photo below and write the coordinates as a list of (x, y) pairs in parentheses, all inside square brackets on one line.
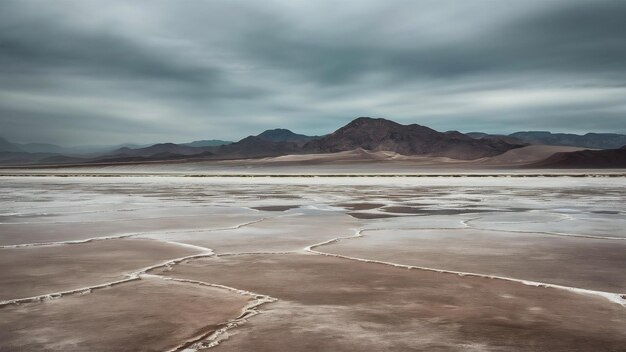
[(105, 72)]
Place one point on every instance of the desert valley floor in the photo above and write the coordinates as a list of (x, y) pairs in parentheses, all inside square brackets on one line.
[(139, 263)]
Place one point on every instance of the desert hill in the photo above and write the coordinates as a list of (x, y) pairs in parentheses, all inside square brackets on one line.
[(385, 135)]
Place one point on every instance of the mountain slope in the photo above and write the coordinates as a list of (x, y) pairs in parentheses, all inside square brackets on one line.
[(589, 140), (586, 159), (526, 155), (206, 143), (384, 135), (24, 158), (502, 137), (6, 146), (162, 148), (42, 148), (284, 135), (253, 146)]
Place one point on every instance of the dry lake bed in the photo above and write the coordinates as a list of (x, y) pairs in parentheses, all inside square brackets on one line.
[(174, 263)]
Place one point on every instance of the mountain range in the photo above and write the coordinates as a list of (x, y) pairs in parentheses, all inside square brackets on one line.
[(589, 140), (364, 133), (285, 135), (384, 135), (607, 158)]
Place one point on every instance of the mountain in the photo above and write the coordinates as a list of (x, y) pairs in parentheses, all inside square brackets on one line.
[(24, 158), (164, 156), (31, 153), (506, 138), (586, 159), (169, 148), (589, 140), (477, 135), (526, 155), (44, 148), (61, 159), (254, 146), (370, 136), (381, 134), (284, 135), (206, 143), (19, 158), (6, 146)]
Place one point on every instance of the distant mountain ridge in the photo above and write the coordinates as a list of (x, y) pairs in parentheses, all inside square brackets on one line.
[(584, 159), (207, 143), (370, 135), (378, 134), (272, 142), (161, 148), (7, 146), (284, 135), (589, 140), (255, 146)]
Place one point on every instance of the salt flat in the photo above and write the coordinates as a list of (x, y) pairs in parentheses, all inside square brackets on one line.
[(340, 304), (146, 315), (331, 263), (596, 264), (34, 271)]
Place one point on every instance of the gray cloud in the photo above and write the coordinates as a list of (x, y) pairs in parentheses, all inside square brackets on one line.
[(75, 72)]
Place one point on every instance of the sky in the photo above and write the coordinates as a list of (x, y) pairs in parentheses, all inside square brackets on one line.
[(107, 72)]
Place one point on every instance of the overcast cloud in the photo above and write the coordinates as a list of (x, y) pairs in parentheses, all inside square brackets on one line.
[(106, 72)]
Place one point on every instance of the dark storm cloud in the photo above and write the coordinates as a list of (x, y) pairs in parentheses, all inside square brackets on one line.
[(87, 72), (563, 39), (41, 45)]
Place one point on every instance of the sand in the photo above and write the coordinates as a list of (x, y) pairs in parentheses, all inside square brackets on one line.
[(526, 155)]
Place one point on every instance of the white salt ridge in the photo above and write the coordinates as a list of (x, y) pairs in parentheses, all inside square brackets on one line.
[(214, 338), (56, 295), (235, 227), (465, 223), (562, 234), (322, 207), (611, 296), (98, 220), (168, 264), (547, 233), (187, 245), (253, 253), (562, 217), (16, 214), (137, 235), (136, 275), (93, 239), (148, 234)]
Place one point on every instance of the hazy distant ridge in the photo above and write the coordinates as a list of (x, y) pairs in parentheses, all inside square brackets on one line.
[(363, 133), (589, 140)]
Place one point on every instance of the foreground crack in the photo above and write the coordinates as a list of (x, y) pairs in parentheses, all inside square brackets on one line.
[(58, 243), (213, 338), (618, 298), (133, 276), (57, 295), (134, 235)]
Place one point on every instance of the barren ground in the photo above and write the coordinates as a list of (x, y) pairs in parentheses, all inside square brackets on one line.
[(312, 263)]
